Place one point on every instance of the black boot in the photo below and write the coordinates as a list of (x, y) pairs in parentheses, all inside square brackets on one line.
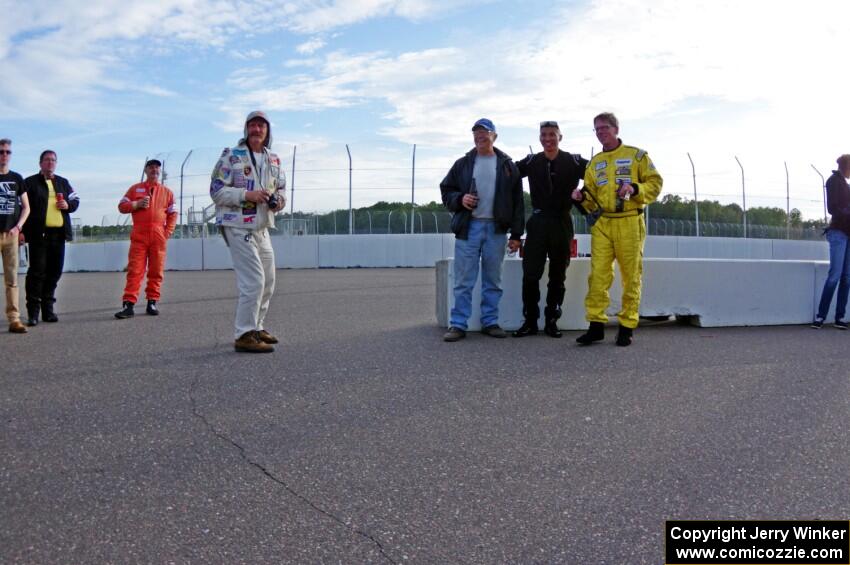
[(528, 327), (127, 312), (596, 332), (47, 313), (32, 315), (152, 309), (551, 328), (624, 336)]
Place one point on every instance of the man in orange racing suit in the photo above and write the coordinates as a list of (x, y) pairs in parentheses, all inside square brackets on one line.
[(619, 182), (154, 218)]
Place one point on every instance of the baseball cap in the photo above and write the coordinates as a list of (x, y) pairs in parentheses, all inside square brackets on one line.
[(486, 124), (257, 114), (156, 162)]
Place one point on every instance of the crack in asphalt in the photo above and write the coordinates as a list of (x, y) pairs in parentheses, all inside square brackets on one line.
[(280, 481)]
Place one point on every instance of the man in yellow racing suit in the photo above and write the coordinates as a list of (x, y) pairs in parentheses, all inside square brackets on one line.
[(618, 183)]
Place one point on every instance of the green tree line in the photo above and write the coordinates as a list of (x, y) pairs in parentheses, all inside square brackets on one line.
[(670, 206)]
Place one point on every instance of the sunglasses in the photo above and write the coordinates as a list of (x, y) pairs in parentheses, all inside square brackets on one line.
[(5, 151), (549, 124)]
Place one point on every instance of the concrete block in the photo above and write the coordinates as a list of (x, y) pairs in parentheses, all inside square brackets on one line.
[(715, 292), (660, 246), (510, 307), (183, 255), (214, 253), (821, 271), (298, 252), (790, 250)]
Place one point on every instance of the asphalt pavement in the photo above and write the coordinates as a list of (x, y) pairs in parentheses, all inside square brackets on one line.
[(366, 439)]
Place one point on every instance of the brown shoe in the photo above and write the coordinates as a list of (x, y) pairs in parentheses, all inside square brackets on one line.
[(494, 331), (250, 343), (266, 337), (17, 327)]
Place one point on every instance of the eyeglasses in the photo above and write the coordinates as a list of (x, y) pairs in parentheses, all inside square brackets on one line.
[(549, 124), (602, 128), (5, 151)]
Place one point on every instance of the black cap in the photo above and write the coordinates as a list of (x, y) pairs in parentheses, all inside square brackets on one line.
[(156, 162)]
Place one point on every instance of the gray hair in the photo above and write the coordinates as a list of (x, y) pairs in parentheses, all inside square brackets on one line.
[(608, 117)]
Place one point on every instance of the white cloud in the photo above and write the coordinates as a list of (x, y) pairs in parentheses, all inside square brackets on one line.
[(311, 46), (310, 62), (714, 78), (63, 52), (247, 55), (759, 79), (333, 14)]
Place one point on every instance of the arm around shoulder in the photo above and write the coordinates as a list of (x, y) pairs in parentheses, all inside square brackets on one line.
[(450, 189), (518, 220)]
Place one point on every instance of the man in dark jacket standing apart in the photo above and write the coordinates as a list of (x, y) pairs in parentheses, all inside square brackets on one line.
[(838, 236), (552, 176), (483, 190), (52, 201)]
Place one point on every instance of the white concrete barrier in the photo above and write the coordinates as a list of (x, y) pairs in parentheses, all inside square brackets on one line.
[(418, 250), (719, 281), (712, 292)]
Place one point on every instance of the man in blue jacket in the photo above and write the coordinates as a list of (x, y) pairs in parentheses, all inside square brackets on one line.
[(483, 190)]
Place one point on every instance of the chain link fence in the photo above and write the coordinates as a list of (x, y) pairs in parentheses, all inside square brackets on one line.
[(356, 176)]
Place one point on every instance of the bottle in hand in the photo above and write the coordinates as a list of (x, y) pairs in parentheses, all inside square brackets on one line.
[(473, 191), (621, 202)]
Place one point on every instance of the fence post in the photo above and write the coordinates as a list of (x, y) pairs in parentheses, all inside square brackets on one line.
[(350, 213), (823, 186), (182, 232), (412, 186), (744, 193), (787, 203), (436, 225), (389, 219), (292, 187), (696, 202)]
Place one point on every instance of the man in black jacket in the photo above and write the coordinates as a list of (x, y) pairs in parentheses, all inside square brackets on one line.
[(838, 236), (552, 176), (52, 201), (483, 190)]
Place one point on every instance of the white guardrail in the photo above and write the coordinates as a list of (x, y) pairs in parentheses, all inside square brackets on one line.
[(421, 250)]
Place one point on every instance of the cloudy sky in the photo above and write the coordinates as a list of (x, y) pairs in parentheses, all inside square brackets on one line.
[(107, 83)]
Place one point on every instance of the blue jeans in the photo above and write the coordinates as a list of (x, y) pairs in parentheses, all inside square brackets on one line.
[(486, 245), (839, 274)]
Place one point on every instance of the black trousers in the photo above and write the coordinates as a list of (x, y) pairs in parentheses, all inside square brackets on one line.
[(545, 236), (46, 260)]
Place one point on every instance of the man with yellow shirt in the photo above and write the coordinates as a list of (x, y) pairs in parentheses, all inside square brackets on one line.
[(619, 183), (52, 201)]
